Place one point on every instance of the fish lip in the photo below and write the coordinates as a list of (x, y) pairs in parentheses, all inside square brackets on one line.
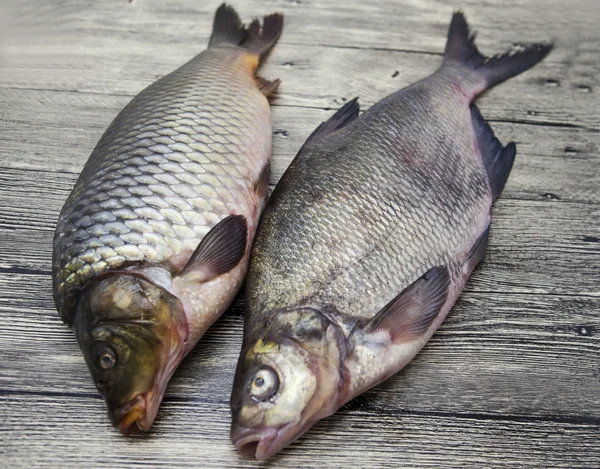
[(132, 416), (264, 437), (270, 440), (138, 414)]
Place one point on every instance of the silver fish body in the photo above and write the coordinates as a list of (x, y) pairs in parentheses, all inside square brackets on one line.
[(157, 231), (366, 243), (181, 156)]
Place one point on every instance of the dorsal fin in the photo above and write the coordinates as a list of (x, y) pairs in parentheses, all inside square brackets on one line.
[(346, 114), (478, 250)]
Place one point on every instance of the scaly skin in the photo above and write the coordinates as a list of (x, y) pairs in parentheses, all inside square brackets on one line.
[(366, 243), (358, 216), (188, 152), (362, 214), (181, 156)]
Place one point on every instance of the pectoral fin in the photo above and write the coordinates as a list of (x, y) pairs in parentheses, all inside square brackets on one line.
[(219, 251), (411, 313)]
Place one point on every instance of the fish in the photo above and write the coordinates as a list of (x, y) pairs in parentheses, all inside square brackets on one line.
[(153, 242), (366, 243)]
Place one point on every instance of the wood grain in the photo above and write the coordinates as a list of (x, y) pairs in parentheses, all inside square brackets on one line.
[(501, 344), (357, 439), (523, 353), (511, 378), (557, 163), (549, 239), (312, 76)]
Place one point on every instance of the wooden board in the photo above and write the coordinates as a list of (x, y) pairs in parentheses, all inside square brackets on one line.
[(511, 379)]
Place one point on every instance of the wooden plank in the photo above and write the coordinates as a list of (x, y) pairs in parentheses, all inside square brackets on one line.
[(509, 380), (414, 25), (109, 47), (553, 162), (491, 356), (530, 242), (311, 76), (73, 434)]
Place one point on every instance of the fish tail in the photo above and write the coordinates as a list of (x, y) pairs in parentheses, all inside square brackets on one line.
[(257, 39), (461, 49)]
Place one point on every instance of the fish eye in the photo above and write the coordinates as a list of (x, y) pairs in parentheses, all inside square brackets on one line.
[(105, 358), (264, 384)]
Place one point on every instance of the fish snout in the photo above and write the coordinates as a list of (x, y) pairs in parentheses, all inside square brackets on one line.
[(137, 415), (257, 442)]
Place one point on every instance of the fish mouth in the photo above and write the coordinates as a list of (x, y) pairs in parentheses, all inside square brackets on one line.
[(140, 412), (257, 442), (137, 415), (264, 442)]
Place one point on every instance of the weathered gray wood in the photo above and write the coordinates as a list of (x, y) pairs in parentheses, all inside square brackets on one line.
[(553, 162), (407, 25), (129, 46), (500, 346), (349, 439), (521, 352), (511, 378), (311, 76)]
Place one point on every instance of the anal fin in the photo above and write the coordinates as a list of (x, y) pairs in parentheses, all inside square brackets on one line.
[(267, 87), (498, 160), (478, 250), (410, 314), (219, 251)]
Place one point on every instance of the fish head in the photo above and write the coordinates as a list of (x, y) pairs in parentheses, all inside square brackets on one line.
[(131, 333), (286, 380)]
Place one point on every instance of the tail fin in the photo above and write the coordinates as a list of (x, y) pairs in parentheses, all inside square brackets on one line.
[(228, 28), (461, 49)]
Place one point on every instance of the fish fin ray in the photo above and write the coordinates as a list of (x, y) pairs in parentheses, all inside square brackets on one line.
[(498, 160), (261, 186), (219, 251), (344, 116), (410, 314), (261, 40), (461, 49), (228, 28), (477, 252), (267, 87)]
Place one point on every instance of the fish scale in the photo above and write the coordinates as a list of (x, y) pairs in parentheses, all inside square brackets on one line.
[(181, 156), (153, 243), (366, 243), (383, 203)]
